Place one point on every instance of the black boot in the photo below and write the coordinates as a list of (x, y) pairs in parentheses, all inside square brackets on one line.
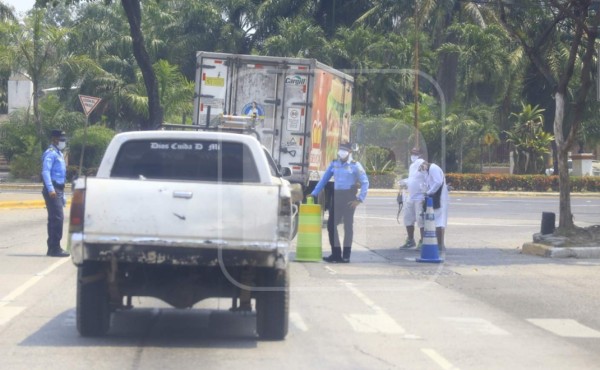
[(335, 257), (57, 252), (346, 255)]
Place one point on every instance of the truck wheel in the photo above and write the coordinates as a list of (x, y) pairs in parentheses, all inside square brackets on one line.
[(272, 306), (93, 310)]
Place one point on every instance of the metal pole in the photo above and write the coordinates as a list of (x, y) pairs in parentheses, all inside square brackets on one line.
[(416, 74), (83, 146)]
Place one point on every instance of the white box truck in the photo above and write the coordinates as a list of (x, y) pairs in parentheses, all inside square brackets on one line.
[(298, 108)]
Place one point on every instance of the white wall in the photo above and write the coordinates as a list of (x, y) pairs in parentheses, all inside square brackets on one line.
[(19, 94)]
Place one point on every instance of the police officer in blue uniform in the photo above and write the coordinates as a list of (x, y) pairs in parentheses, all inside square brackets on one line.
[(347, 173), (54, 173)]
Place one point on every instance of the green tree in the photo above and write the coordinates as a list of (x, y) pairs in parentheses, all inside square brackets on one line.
[(528, 140), (461, 127), (298, 37), (96, 138), (542, 35), (6, 15), (133, 12), (36, 49), (175, 91)]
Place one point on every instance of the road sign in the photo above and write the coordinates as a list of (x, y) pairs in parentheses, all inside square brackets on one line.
[(88, 103), (489, 139)]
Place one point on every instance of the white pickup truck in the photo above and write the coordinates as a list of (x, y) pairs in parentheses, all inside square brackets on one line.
[(182, 216)]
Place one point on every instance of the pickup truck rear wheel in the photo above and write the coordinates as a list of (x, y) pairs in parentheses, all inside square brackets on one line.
[(272, 306), (93, 310)]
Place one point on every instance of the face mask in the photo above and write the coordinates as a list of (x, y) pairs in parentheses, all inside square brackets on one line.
[(414, 158), (343, 153), (61, 145)]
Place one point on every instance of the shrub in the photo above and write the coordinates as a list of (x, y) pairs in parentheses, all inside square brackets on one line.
[(25, 166), (96, 141), (17, 138), (382, 180), (498, 182), (471, 182)]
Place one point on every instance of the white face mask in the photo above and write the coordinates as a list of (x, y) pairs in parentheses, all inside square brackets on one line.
[(414, 157), (61, 145), (342, 154)]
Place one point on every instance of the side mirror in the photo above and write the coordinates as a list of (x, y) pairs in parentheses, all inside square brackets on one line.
[(285, 171)]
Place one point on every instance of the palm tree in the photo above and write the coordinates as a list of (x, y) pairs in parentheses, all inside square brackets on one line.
[(175, 91), (461, 127), (6, 13), (133, 13), (483, 61), (298, 37), (36, 49), (528, 139)]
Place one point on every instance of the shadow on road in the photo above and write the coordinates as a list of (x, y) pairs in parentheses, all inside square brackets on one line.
[(165, 327)]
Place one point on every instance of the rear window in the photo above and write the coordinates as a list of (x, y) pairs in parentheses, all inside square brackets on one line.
[(200, 160)]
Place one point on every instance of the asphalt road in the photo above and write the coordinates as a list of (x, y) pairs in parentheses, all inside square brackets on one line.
[(485, 307)]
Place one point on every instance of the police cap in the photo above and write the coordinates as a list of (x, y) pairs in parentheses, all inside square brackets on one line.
[(57, 133), (346, 146)]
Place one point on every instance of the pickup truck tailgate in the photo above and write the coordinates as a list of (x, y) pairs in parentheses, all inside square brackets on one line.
[(180, 213)]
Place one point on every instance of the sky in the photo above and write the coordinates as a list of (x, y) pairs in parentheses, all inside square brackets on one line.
[(21, 6)]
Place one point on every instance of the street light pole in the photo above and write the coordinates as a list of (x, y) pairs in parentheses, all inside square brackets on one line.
[(416, 74)]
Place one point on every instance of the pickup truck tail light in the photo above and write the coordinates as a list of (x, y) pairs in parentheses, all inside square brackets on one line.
[(285, 218), (77, 211)]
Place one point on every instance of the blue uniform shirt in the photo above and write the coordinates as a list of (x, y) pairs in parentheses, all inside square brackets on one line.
[(53, 168), (346, 175)]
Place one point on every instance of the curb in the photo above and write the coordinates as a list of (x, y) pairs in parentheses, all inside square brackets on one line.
[(23, 204), (27, 204), (543, 250)]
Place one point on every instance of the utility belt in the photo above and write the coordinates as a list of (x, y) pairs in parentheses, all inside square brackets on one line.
[(353, 190), (57, 186)]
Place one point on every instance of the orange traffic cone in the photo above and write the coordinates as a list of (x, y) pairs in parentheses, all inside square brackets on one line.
[(429, 249)]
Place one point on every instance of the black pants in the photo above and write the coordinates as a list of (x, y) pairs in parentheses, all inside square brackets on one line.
[(340, 210), (55, 218)]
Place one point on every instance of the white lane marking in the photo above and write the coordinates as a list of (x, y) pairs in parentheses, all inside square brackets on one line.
[(438, 359), (8, 313), (475, 326), (20, 290), (54, 266), (566, 328), (366, 300), (380, 322), (330, 270), (297, 321)]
